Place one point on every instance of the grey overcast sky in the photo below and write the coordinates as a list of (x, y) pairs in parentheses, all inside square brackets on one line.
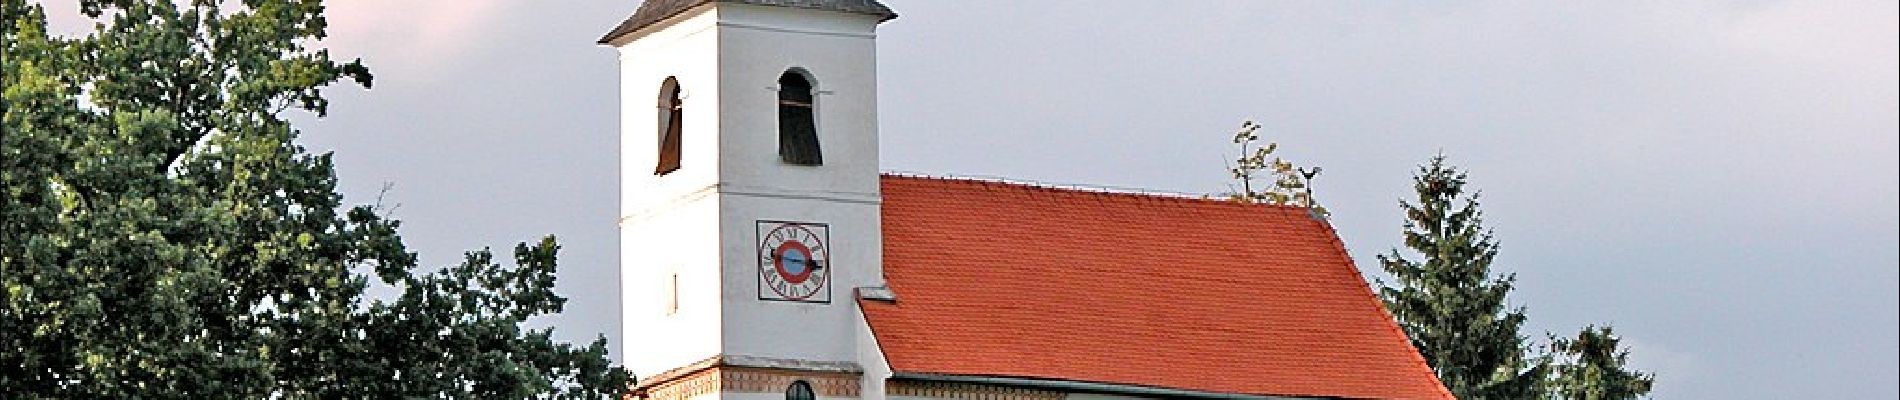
[(1716, 179)]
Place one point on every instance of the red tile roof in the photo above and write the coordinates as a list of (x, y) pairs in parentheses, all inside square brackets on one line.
[(1012, 280)]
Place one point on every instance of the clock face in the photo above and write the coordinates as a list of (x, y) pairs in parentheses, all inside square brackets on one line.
[(794, 261)]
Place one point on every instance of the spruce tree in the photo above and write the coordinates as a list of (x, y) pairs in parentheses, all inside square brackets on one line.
[(1447, 299), (1592, 366)]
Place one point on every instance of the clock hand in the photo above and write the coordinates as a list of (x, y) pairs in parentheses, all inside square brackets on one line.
[(809, 263)]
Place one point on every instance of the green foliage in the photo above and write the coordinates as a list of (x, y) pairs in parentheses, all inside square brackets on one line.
[(1290, 185), (1448, 301), (163, 235), (1591, 366)]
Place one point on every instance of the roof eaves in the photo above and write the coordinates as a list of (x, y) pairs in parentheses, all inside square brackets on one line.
[(1089, 387), (650, 12), (654, 11)]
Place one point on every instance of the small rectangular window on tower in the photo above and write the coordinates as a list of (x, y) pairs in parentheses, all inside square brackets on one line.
[(672, 293)]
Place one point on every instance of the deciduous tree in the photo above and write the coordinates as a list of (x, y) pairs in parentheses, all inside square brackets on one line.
[(1285, 183), (163, 235)]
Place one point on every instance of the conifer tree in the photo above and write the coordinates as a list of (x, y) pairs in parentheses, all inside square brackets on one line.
[(1447, 299), (1592, 366)]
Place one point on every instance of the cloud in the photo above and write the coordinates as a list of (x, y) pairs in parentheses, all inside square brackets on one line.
[(1828, 33), (63, 18), (409, 37), (1666, 363)]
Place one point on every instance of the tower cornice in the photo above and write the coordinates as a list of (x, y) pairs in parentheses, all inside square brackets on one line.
[(654, 11)]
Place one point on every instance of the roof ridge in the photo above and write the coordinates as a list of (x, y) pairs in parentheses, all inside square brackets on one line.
[(1146, 193)]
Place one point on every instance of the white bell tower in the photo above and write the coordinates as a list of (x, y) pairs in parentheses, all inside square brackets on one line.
[(749, 183)]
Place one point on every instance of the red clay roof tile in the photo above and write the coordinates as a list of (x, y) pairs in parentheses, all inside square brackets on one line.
[(1001, 279)]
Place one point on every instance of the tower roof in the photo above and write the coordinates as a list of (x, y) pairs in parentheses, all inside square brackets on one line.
[(1004, 280), (654, 11)]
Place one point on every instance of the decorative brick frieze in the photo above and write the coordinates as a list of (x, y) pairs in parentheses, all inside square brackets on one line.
[(957, 390), (760, 380), (715, 377), (684, 387)]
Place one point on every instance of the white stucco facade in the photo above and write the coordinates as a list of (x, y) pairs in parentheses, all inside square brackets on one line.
[(669, 224), (690, 238)]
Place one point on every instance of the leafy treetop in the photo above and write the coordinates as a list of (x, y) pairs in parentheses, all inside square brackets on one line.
[(163, 235)]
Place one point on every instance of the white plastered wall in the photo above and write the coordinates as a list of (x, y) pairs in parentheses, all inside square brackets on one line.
[(838, 52), (699, 222), (669, 224), (877, 370)]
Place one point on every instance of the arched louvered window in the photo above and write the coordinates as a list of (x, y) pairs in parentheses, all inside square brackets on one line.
[(671, 112), (797, 128)]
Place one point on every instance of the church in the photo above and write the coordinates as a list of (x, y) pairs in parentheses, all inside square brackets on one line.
[(764, 255)]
